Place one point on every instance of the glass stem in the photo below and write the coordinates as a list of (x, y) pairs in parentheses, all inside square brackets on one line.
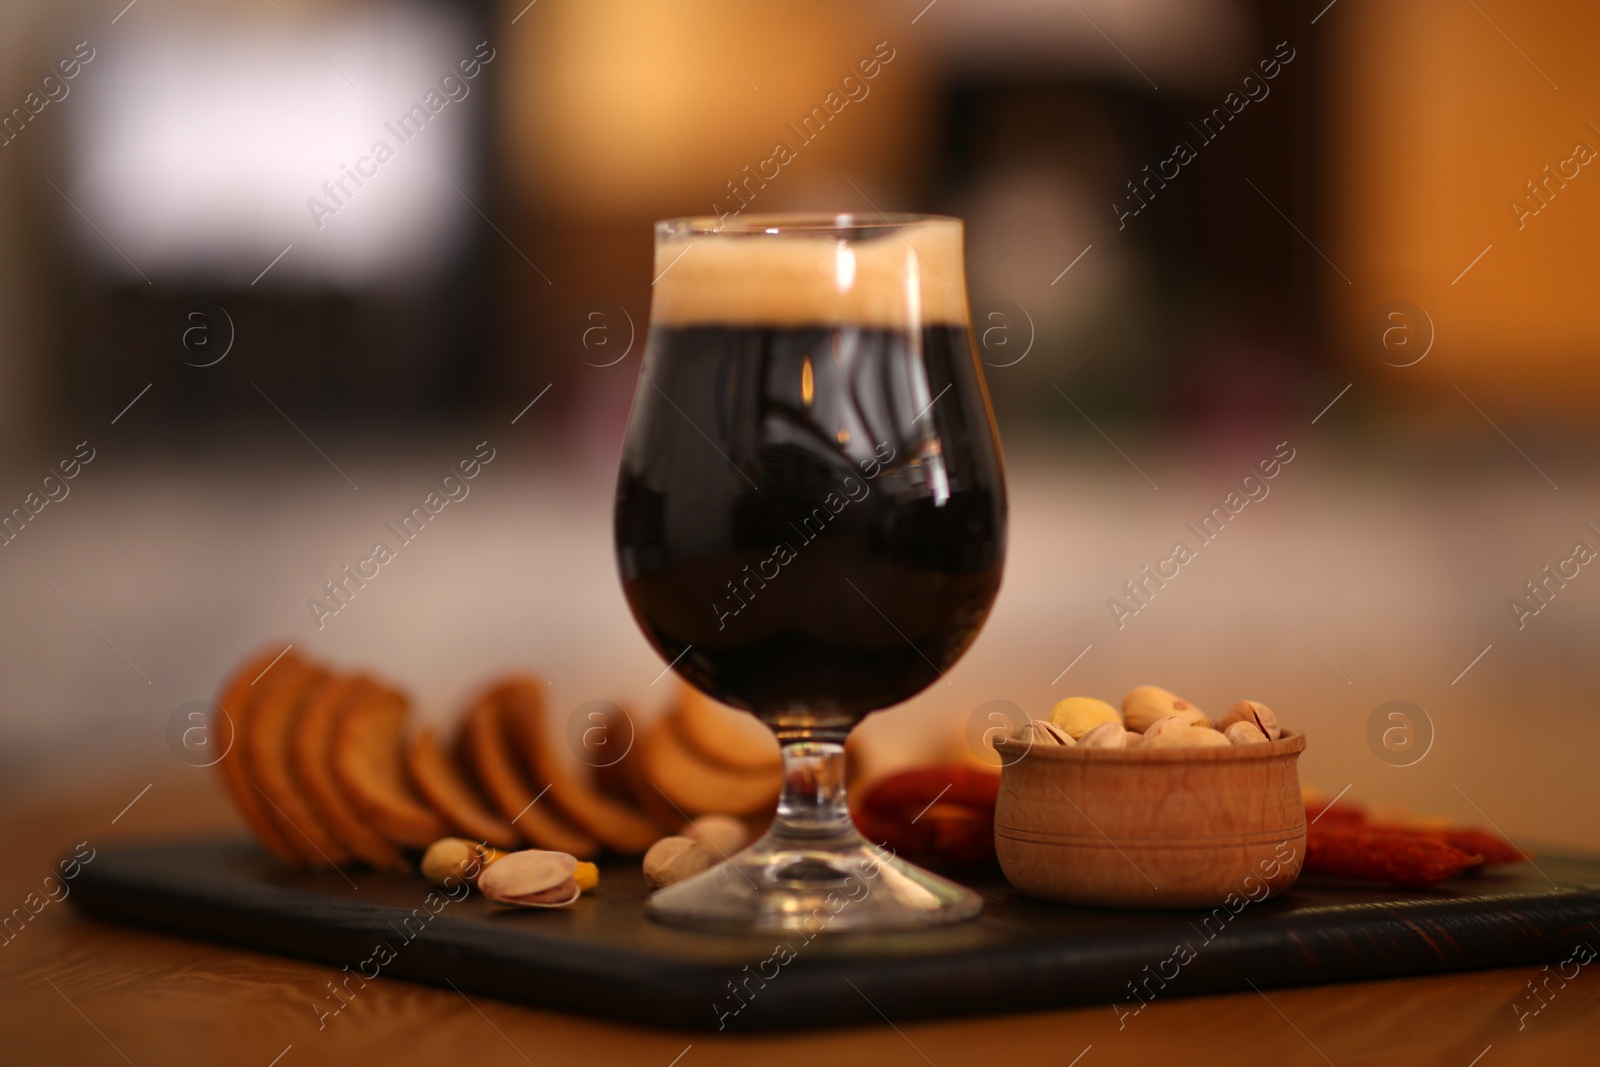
[(812, 804)]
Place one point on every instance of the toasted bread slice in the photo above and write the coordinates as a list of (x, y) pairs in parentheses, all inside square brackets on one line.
[(311, 756), (611, 775), (268, 740), (369, 763), (694, 786), (488, 748), (726, 736), (237, 703), (453, 796), (666, 815), (624, 780), (618, 826)]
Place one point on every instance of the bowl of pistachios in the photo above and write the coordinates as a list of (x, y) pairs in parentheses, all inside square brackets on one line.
[(1153, 805)]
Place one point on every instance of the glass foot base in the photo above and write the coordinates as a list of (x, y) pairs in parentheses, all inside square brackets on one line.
[(832, 883)]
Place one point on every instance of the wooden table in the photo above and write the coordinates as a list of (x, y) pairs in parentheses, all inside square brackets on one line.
[(83, 993)]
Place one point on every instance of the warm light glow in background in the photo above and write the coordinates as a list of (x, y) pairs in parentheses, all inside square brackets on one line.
[(1441, 123), (1220, 321)]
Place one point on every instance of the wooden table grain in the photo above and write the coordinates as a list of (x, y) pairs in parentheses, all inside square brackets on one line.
[(84, 993)]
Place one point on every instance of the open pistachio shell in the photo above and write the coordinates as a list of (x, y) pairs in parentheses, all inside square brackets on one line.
[(533, 878)]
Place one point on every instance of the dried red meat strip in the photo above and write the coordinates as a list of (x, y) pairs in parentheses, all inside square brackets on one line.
[(1411, 858), (907, 793), (1492, 847), (944, 811)]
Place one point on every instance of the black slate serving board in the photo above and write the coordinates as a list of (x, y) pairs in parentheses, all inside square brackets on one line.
[(603, 957)]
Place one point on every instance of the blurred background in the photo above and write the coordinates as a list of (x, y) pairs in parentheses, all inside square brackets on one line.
[(269, 271)]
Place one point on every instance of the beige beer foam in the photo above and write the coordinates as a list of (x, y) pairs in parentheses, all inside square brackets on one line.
[(913, 276)]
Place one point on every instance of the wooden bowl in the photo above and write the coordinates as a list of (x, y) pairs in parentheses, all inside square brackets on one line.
[(1163, 828)]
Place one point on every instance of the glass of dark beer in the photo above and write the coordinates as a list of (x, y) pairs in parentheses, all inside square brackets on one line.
[(810, 525)]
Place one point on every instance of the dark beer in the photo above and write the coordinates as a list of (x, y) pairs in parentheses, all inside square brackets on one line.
[(810, 519)]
